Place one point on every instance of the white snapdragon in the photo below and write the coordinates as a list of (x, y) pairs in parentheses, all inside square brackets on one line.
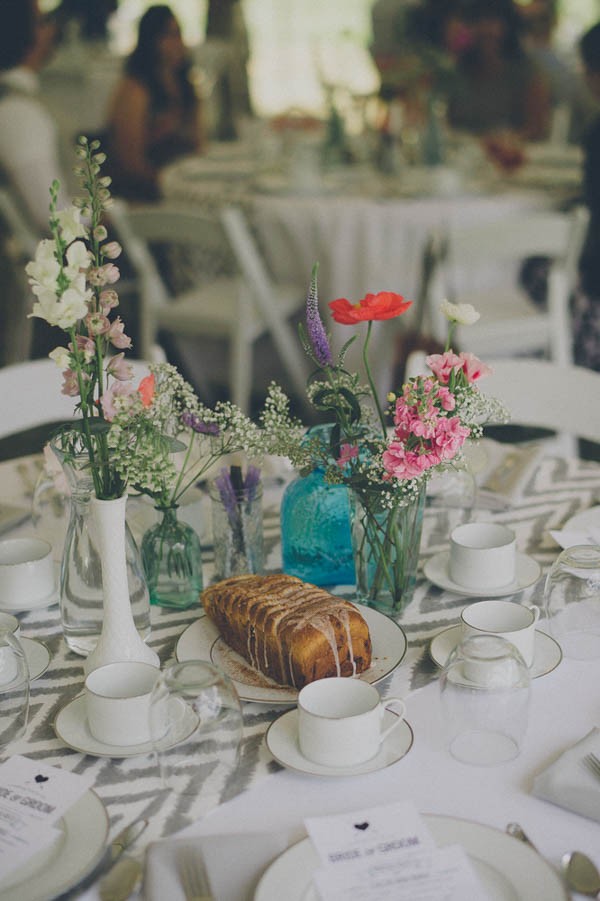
[(44, 270), (78, 258), (65, 311), (70, 224), (462, 313), (61, 357)]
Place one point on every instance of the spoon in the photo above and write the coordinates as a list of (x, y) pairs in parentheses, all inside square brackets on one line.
[(581, 874)]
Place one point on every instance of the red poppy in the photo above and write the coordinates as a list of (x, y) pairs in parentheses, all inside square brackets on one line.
[(384, 305), (146, 390)]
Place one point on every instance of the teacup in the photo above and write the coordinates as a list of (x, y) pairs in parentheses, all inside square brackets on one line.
[(117, 698), (505, 619), (340, 721), (26, 571), (482, 555)]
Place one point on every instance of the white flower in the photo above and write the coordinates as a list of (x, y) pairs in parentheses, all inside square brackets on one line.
[(61, 357), (462, 313), (77, 258), (45, 268), (70, 224), (64, 311)]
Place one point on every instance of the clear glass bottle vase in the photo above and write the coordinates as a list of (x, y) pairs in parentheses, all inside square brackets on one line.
[(172, 561), (81, 594)]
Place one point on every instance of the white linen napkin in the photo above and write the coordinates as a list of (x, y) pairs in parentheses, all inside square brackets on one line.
[(252, 853), (570, 537), (569, 783)]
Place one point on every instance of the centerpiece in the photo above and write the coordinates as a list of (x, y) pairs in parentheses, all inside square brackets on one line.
[(385, 456)]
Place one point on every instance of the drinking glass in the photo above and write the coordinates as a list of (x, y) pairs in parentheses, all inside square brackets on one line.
[(14, 688), (572, 601), (449, 503), (485, 690), (196, 729)]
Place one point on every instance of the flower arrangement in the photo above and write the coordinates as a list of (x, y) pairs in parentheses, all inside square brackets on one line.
[(73, 277), (385, 455)]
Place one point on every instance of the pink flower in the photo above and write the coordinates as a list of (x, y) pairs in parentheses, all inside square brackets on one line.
[(347, 453), (85, 346), (117, 399), (450, 437), (109, 299), (97, 323), (70, 384), (112, 250), (442, 365), (119, 368), (103, 275), (400, 463), (446, 399), (117, 336), (473, 368)]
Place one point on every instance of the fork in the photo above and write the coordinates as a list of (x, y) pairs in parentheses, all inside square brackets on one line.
[(593, 763), (192, 877)]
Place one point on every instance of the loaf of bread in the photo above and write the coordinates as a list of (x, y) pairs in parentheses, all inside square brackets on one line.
[(290, 630)]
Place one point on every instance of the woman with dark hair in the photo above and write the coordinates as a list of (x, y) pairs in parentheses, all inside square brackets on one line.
[(154, 114), (498, 87)]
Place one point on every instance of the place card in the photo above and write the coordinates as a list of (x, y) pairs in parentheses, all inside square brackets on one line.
[(33, 797), (388, 854)]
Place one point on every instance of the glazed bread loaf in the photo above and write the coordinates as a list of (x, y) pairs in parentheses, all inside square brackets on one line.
[(291, 631)]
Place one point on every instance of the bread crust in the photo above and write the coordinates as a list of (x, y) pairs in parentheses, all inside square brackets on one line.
[(288, 629)]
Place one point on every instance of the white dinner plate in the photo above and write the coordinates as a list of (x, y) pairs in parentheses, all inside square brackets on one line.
[(71, 726), (37, 656), (201, 641), (546, 654), (507, 868), (81, 844), (436, 570), (282, 741)]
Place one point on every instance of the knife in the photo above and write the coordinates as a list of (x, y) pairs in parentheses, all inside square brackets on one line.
[(123, 840)]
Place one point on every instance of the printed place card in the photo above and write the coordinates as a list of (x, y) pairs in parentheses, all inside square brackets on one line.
[(388, 854), (33, 798)]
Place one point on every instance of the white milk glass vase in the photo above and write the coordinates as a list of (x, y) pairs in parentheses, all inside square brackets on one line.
[(119, 639), (81, 584)]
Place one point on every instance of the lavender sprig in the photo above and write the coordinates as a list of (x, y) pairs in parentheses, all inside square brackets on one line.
[(314, 324)]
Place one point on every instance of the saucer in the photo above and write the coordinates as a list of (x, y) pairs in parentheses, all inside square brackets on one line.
[(436, 570), (547, 653), (282, 741), (24, 606), (37, 656), (71, 727)]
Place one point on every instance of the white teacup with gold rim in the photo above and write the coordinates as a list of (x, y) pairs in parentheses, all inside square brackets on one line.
[(340, 721), (504, 619)]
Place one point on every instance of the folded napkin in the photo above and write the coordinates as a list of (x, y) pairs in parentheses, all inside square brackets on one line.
[(570, 537), (504, 471), (233, 864), (569, 783)]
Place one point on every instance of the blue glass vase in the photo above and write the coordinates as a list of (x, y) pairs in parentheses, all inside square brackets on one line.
[(316, 541)]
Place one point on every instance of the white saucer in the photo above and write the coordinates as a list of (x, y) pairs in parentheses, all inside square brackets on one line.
[(436, 570), (282, 741), (38, 657), (72, 728), (546, 655), (24, 605)]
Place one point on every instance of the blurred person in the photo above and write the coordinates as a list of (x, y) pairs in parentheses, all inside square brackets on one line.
[(587, 306), (498, 88), (29, 163), (567, 86), (155, 114), (29, 143), (227, 34)]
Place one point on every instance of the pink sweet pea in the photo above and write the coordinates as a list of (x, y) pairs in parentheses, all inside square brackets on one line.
[(119, 368), (117, 336), (347, 453), (473, 368)]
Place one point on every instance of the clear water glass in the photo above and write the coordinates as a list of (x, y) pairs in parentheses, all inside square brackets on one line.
[(196, 728), (14, 689), (572, 601), (485, 690)]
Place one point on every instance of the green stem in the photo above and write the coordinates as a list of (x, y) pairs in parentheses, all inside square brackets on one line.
[(370, 378)]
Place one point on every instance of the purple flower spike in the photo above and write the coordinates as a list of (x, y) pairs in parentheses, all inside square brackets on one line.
[(314, 324), (252, 482), (192, 421)]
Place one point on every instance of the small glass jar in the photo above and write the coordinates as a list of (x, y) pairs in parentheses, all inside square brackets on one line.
[(172, 561), (572, 601), (237, 523)]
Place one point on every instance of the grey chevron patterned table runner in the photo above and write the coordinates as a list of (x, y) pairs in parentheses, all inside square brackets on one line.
[(130, 788)]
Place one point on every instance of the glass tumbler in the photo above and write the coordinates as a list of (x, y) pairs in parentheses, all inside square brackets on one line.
[(572, 601), (14, 688), (485, 690), (196, 729)]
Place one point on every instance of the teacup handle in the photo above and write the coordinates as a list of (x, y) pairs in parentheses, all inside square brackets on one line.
[(400, 706), (536, 612)]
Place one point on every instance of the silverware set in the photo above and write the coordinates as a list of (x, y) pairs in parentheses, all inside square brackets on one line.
[(578, 871), (592, 762)]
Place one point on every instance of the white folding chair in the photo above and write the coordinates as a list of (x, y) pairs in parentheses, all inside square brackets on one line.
[(31, 394), (511, 323), (241, 306)]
